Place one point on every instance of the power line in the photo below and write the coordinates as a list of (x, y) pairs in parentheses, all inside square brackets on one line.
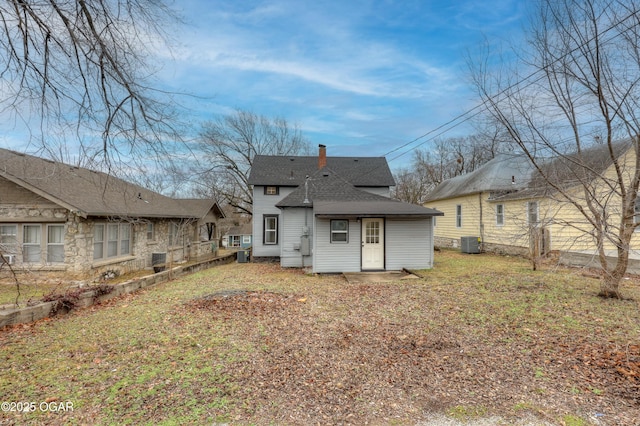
[(469, 114)]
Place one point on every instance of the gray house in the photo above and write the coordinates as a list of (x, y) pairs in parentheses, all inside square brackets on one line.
[(335, 214), (57, 217), (238, 237)]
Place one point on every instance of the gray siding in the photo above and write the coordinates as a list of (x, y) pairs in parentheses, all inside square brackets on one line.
[(385, 191), (409, 244), (292, 231), (266, 204), (336, 257)]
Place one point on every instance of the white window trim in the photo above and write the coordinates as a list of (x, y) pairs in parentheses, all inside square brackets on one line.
[(50, 244), (151, 231), (10, 242), (499, 215), (537, 212), (458, 216), (118, 241), (37, 244), (340, 232), (266, 241)]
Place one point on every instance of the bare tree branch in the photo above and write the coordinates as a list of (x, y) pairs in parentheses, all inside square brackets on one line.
[(230, 143), (584, 68), (83, 67)]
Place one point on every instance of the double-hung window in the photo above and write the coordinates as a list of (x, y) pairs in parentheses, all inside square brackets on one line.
[(458, 216), (499, 214), (532, 213), (174, 234), (55, 243), (151, 232), (8, 238), (270, 229), (31, 239), (340, 231), (111, 240)]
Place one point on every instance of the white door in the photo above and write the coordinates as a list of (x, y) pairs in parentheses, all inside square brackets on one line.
[(373, 243)]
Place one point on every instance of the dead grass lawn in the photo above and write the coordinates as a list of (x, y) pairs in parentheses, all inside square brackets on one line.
[(255, 344)]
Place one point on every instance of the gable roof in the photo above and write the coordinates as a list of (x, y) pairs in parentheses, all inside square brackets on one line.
[(565, 171), (292, 170), (330, 194), (243, 229), (87, 192), (200, 207), (569, 170), (505, 172)]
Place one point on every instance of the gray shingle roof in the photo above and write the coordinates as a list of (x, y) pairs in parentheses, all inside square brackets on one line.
[(330, 194), (565, 171), (291, 170), (506, 172), (569, 170), (87, 192)]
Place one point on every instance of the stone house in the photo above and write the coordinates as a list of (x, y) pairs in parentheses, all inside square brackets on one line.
[(60, 218)]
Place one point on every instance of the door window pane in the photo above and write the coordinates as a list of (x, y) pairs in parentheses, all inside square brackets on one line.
[(372, 233)]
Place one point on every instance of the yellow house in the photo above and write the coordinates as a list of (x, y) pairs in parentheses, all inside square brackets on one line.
[(471, 210), (511, 209)]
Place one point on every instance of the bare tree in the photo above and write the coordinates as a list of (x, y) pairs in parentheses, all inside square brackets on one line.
[(411, 186), (447, 158), (230, 144), (581, 84), (82, 67)]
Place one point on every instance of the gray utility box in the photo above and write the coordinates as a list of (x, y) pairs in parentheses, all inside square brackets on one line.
[(470, 245)]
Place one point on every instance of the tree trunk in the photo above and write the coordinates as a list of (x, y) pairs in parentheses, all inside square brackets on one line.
[(610, 284)]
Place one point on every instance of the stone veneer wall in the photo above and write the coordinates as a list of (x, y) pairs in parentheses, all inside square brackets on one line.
[(79, 235)]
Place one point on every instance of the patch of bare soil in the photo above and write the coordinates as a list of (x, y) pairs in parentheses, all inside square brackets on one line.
[(351, 358)]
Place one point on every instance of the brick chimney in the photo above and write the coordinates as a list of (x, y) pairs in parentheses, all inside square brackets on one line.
[(322, 156)]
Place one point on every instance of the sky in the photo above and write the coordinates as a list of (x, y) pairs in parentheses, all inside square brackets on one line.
[(362, 77)]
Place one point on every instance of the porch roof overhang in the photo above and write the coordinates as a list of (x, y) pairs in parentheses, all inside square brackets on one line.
[(358, 209)]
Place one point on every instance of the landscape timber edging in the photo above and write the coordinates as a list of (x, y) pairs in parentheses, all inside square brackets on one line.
[(21, 315)]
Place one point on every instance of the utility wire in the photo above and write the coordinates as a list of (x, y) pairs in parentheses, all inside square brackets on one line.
[(469, 114)]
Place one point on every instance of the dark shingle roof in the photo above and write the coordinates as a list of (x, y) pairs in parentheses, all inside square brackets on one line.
[(200, 207), (87, 192), (292, 170), (330, 194)]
